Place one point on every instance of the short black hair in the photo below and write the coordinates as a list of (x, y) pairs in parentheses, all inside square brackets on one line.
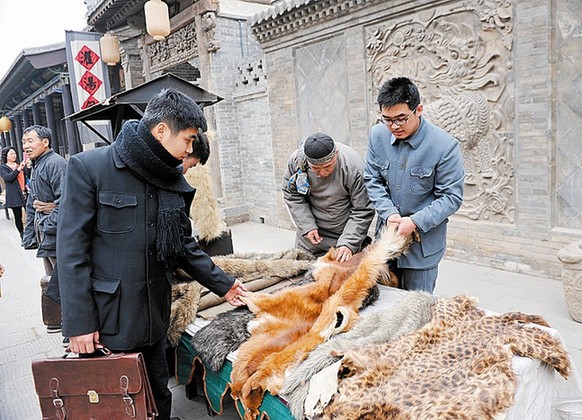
[(398, 90), (41, 131), (200, 148), (5, 153), (176, 109)]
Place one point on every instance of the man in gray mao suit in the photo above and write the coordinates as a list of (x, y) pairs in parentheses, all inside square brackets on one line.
[(414, 176)]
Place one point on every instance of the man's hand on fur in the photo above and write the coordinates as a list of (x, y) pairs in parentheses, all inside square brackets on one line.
[(313, 237), (342, 254), (405, 224), (236, 292)]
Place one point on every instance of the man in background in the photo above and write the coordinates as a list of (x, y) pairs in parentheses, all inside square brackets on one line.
[(48, 170), (42, 208)]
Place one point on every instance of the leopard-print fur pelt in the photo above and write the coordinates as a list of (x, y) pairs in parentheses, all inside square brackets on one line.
[(456, 366)]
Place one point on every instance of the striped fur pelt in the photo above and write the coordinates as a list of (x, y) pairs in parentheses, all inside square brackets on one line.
[(380, 326)]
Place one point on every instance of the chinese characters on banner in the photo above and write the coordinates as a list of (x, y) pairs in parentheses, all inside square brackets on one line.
[(88, 73), (89, 82)]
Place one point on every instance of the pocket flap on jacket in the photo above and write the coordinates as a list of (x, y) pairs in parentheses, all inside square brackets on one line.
[(106, 285), (118, 200), (421, 171)]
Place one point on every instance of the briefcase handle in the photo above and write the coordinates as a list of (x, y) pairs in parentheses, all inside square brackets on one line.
[(100, 352)]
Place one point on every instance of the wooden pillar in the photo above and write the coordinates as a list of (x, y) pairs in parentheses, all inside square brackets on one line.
[(18, 129), (13, 137), (36, 114), (51, 123), (71, 140), (25, 119)]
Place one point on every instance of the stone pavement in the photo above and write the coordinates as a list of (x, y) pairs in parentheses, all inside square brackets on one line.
[(23, 337)]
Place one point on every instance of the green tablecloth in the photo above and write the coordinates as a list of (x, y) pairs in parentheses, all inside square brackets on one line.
[(217, 384)]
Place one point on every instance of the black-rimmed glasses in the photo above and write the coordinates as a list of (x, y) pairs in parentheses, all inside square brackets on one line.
[(398, 121)]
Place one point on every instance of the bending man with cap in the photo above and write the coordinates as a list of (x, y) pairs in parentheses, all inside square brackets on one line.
[(326, 197)]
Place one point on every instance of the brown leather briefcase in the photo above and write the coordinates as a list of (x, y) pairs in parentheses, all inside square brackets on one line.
[(111, 387)]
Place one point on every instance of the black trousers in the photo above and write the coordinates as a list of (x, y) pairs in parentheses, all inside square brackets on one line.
[(17, 212), (158, 373)]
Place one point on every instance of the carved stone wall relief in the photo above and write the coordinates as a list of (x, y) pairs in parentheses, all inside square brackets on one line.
[(178, 47), (460, 57), (569, 116)]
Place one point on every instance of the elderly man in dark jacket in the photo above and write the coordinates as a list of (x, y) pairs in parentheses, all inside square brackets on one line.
[(124, 229), (42, 206)]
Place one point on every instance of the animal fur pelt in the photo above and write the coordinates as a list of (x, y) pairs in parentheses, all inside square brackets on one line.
[(185, 297), (456, 366), (188, 296), (291, 323), (381, 326), (225, 333), (204, 210), (289, 254), (259, 271)]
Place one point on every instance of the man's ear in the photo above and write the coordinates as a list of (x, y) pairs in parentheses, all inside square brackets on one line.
[(419, 109), (159, 130)]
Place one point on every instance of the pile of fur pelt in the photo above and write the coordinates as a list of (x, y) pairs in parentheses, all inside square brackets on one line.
[(459, 365), (380, 326), (257, 271), (228, 330), (291, 323)]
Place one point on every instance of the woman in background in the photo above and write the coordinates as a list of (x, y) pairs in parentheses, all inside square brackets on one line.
[(13, 174)]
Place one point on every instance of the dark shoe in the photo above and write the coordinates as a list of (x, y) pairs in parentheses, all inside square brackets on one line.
[(66, 342), (51, 329)]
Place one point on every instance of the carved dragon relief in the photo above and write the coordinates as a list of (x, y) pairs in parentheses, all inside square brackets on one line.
[(460, 58)]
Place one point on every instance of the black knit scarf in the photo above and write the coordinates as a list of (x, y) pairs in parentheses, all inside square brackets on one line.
[(151, 162)]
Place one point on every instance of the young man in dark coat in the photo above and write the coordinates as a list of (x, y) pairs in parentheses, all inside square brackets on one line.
[(124, 229)]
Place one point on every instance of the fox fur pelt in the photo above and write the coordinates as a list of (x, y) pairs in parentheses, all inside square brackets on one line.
[(291, 323), (411, 313), (227, 331), (189, 297), (456, 366), (185, 298)]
